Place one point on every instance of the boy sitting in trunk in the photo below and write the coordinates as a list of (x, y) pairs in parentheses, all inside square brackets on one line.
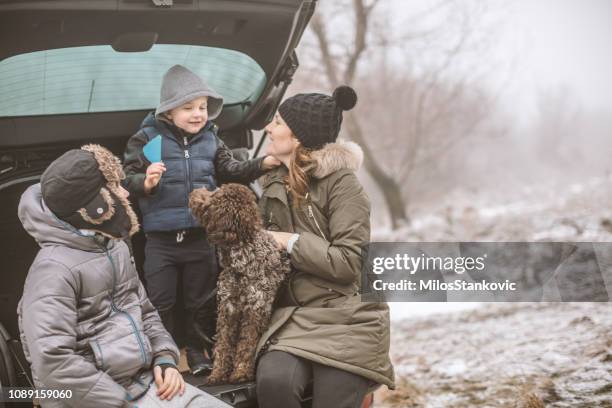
[(85, 321)]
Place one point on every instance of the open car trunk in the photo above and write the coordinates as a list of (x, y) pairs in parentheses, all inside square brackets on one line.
[(47, 109), (123, 47)]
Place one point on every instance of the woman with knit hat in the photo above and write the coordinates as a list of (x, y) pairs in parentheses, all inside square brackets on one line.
[(316, 209)]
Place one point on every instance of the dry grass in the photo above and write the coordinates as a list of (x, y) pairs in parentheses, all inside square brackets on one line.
[(406, 395), (529, 399)]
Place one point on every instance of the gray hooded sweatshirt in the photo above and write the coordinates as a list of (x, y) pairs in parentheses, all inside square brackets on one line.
[(85, 321)]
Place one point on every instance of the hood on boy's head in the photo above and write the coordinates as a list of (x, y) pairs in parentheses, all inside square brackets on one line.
[(180, 86)]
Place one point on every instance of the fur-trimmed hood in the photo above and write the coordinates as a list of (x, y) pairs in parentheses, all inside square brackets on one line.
[(329, 159), (336, 156)]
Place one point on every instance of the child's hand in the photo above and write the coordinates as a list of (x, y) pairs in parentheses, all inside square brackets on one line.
[(270, 162), (154, 173), (169, 382)]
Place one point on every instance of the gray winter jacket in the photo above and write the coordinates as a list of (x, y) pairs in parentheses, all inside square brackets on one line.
[(85, 321)]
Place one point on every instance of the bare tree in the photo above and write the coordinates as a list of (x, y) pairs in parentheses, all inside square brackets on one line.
[(424, 113), (344, 71)]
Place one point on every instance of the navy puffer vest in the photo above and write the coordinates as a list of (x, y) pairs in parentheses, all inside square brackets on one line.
[(189, 165)]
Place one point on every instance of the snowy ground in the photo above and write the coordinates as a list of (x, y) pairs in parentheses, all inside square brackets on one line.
[(501, 354), (524, 355), (403, 310), (577, 212)]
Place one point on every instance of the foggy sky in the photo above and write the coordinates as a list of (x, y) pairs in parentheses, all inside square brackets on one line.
[(546, 44)]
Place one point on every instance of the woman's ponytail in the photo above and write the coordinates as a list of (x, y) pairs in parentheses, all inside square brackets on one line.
[(298, 177)]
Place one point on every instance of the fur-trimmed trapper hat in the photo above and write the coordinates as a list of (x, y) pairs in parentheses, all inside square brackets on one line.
[(82, 187)]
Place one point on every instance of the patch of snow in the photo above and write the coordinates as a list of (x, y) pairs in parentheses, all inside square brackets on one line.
[(488, 356), (403, 310)]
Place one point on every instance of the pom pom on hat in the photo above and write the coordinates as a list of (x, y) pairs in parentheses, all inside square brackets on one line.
[(345, 97)]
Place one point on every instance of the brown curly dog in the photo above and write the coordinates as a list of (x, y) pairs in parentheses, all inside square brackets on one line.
[(252, 269)]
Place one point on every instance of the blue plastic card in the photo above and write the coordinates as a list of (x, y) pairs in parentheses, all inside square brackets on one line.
[(152, 150)]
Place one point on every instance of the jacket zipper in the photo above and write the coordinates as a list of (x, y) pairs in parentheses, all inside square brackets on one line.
[(116, 309), (311, 215), (188, 179)]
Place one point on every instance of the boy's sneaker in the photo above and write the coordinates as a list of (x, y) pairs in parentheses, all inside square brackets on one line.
[(198, 363)]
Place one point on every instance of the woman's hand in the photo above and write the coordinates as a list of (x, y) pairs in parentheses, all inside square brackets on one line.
[(168, 383), (154, 173), (281, 238), (270, 162)]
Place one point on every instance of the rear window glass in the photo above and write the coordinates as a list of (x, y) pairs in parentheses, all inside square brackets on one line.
[(99, 79)]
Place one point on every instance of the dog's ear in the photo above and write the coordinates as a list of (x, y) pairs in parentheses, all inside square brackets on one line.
[(245, 216), (199, 199)]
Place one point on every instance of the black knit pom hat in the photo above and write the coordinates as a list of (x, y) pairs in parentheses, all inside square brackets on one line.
[(315, 118)]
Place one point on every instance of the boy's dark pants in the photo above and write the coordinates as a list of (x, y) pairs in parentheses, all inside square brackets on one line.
[(282, 378), (194, 258)]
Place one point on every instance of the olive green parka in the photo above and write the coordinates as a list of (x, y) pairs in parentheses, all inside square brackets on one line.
[(318, 314)]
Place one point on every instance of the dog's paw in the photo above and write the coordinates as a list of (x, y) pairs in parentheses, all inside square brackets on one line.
[(239, 377), (216, 379)]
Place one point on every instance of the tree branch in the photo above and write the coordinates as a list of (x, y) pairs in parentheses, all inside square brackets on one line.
[(362, 14), (318, 27)]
